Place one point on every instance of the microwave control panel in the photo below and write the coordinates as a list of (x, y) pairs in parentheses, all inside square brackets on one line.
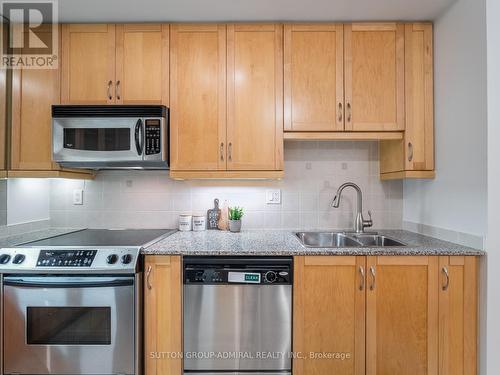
[(66, 258), (153, 136)]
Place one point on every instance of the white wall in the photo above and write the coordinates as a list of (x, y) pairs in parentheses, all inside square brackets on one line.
[(27, 200), (493, 238), (313, 172), (456, 199)]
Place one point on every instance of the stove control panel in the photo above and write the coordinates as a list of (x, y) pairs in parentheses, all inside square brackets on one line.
[(66, 258)]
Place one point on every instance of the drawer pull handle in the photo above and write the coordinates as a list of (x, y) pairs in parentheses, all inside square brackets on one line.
[(372, 272), (110, 83), (222, 151), (340, 112), (410, 151), (148, 274), (362, 278), (446, 274)]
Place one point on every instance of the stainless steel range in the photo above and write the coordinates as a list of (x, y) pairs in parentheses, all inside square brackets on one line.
[(72, 303)]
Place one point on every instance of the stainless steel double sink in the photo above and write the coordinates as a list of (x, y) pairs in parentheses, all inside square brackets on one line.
[(346, 239)]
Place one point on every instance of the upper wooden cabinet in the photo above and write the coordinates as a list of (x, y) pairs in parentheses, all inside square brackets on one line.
[(107, 64), (413, 157), (329, 314), (162, 315), (314, 77), (255, 97), (88, 64), (142, 64), (374, 77), (198, 97), (226, 101), (3, 122)]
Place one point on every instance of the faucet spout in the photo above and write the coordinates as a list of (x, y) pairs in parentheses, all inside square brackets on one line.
[(359, 224)]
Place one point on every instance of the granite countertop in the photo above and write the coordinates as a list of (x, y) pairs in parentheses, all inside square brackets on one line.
[(279, 242), (21, 238)]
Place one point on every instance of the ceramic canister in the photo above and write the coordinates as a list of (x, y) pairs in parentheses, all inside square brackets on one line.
[(199, 223), (185, 223)]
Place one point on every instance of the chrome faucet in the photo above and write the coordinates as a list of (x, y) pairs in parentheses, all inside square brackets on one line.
[(360, 223)]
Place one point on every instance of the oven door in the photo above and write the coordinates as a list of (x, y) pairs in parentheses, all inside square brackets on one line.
[(94, 139), (69, 325)]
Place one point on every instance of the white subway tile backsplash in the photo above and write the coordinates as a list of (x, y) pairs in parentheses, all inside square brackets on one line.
[(313, 172)]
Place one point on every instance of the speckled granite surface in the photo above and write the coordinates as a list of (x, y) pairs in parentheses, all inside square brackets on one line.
[(260, 242), (21, 238)]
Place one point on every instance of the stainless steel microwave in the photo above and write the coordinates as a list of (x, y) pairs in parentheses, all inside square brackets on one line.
[(110, 136)]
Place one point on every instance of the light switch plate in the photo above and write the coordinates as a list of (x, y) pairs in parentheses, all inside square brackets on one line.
[(273, 196), (78, 197)]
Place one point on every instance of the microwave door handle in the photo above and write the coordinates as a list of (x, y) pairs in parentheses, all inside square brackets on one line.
[(27, 283), (139, 137)]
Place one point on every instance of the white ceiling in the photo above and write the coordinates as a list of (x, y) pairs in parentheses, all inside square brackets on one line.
[(249, 10)]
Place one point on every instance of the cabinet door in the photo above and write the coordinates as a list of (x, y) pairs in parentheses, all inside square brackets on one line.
[(33, 93), (374, 77), (198, 97), (162, 315), (88, 64), (142, 64), (255, 97), (458, 316), (329, 314), (314, 77), (402, 315), (419, 132), (3, 119)]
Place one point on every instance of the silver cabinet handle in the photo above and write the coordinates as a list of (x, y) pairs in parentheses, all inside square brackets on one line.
[(372, 272), (349, 112), (118, 95), (110, 83), (340, 112), (230, 152), (362, 278), (410, 151), (222, 151), (148, 274), (444, 270)]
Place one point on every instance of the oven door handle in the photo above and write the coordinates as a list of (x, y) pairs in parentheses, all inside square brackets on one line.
[(67, 283)]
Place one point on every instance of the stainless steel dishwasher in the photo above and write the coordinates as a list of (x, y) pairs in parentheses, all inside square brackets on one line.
[(237, 315)]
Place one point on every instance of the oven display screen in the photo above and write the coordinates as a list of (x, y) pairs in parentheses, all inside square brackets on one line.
[(68, 325), (66, 258)]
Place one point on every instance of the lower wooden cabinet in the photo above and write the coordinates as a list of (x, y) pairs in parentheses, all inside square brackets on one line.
[(414, 315), (329, 314), (402, 315), (457, 315), (162, 315)]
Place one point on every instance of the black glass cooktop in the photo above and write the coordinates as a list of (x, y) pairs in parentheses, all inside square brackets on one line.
[(103, 237)]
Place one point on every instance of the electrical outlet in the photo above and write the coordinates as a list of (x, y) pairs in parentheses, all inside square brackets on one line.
[(273, 196), (78, 197)]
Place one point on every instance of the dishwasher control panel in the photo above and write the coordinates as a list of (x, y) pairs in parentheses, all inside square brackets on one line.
[(238, 273)]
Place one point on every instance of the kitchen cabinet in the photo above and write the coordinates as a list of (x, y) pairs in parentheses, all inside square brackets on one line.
[(108, 64), (33, 93), (458, 315), (374, 76), (413, 156), (329, 313), (162, 315), (314, 77), (402, 315), (142, 64), (227, 101), (255, 97), (393, 314), (88, 63), (198, 97)]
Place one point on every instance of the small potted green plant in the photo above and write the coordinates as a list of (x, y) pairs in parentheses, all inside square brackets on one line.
[(235, 214)]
